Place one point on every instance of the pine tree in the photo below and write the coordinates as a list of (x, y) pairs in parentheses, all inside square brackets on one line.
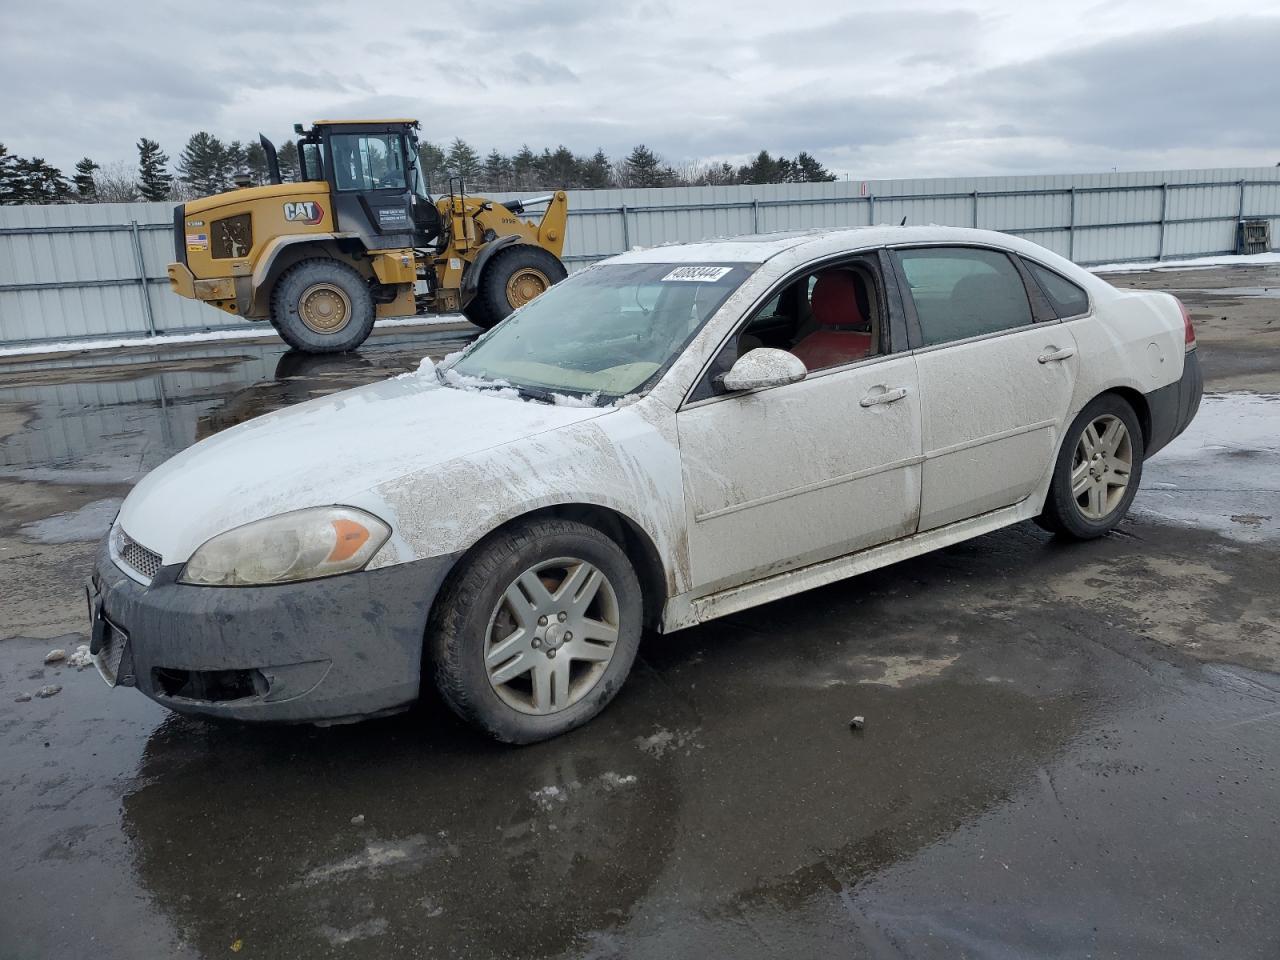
[(644, 168), (524, 169), (86, 189), (39, 182), (764, 169), (597, 173), (201, 164), (497, 171), (10, 184), (255, 159), (434, 166), (287, 157), (809, 170), (234, 160), (154, 179), (463, 161)]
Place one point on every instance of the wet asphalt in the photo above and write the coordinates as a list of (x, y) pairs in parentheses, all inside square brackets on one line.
[(1068, 750)]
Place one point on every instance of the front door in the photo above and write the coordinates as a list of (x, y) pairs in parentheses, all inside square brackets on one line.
[(804, 472), (995, 384)]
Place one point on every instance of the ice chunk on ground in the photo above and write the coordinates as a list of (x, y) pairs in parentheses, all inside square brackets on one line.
[(54, 656), (81, 658), (52, 690)]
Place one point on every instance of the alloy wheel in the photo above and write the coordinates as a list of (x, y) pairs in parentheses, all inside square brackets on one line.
[(551, 635), (1101, 467)]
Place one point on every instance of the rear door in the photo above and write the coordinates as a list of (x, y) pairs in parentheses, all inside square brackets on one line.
[(996, 372)]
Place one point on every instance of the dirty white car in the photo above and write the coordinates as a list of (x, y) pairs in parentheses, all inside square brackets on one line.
[(669, 436)]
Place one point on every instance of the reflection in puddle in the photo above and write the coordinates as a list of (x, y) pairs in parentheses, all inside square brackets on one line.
[(109, 419)]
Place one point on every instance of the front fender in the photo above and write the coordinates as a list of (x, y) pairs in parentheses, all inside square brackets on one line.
[(618, 462)]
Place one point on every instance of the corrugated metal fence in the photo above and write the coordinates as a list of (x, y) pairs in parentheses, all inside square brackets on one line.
[(95, 270)]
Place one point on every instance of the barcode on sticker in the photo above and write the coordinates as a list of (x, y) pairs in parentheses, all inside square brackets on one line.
[(697, 274)]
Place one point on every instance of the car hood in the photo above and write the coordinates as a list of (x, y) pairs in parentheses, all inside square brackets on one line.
[(326, 451)]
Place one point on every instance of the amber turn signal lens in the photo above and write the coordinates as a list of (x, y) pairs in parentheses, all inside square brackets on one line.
[(351, 536)]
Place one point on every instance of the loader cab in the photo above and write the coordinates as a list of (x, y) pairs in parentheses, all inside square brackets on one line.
[(371, 167)]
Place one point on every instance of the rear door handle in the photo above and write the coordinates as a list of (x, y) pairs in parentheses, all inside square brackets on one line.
[(1056, 354), (884, 396)]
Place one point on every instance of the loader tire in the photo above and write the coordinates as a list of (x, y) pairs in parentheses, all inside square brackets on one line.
[(511, 279), (322, 306)]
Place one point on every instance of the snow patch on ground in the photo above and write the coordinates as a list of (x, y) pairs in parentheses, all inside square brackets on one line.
[(1223, 260), (380, 855), (373, 927), (663, 741), (203, 336), (90, 522), (555, 796), (897, 671), (1223, 473)]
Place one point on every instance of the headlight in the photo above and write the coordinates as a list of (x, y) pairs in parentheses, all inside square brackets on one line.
[(302, 545)]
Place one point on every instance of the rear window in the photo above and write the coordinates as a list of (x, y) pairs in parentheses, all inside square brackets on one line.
[(1067, 299)]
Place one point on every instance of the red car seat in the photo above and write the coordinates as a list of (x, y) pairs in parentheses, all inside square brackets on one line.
[(843, 334)]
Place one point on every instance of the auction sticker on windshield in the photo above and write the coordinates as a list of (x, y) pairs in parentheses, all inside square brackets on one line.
[(697, 274)]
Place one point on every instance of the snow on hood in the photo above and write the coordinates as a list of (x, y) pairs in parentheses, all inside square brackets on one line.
[(327, 451)]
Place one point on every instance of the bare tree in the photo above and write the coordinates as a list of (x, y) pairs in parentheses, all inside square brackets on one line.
[(116, 183)]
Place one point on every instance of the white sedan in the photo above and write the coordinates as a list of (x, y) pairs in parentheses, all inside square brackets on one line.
[(666, 437)]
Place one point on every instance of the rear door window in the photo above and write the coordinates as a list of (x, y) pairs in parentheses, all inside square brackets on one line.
[(963, 292), (1067, 299)]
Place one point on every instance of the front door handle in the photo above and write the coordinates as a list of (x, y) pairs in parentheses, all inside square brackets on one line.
[(884, 396), (1054, 354)]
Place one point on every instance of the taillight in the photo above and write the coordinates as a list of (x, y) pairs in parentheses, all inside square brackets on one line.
[(1186, 323)]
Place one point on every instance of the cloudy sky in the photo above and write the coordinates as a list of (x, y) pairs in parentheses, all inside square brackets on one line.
[(897, 88)]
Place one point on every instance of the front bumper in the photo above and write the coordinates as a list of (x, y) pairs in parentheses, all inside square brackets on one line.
[(340, 648)]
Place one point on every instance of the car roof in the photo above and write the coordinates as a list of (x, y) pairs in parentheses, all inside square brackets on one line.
[(757, 248)]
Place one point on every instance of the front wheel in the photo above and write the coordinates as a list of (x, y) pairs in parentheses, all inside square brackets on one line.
[(1097, 473), (511, 279), (535, 635), (322, 306)]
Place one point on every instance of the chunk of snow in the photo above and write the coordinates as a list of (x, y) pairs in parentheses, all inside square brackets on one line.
[(81, 658), (54, 656), (573, 400), (52, 690), (611, 779)]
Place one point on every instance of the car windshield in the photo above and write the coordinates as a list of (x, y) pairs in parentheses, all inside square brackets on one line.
[(610, 330)]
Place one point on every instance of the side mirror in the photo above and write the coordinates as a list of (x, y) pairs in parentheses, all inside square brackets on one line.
[(764, 367)]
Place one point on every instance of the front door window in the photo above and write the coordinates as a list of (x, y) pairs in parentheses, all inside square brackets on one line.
[(368, 161)]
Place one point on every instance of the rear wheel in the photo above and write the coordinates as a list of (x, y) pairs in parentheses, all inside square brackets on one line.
[(511, 279), (1098, 471), (535, 635), (322, 306)]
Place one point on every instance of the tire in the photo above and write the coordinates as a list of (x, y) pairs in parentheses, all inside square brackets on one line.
[(316, 294), (495, 298), (1101, 502), (487, 666)]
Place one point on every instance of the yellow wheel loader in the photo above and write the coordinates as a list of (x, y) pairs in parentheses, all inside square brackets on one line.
[(359, 237)]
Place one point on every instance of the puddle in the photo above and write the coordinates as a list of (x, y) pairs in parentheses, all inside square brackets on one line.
[(114, 423), (1223, 473)]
